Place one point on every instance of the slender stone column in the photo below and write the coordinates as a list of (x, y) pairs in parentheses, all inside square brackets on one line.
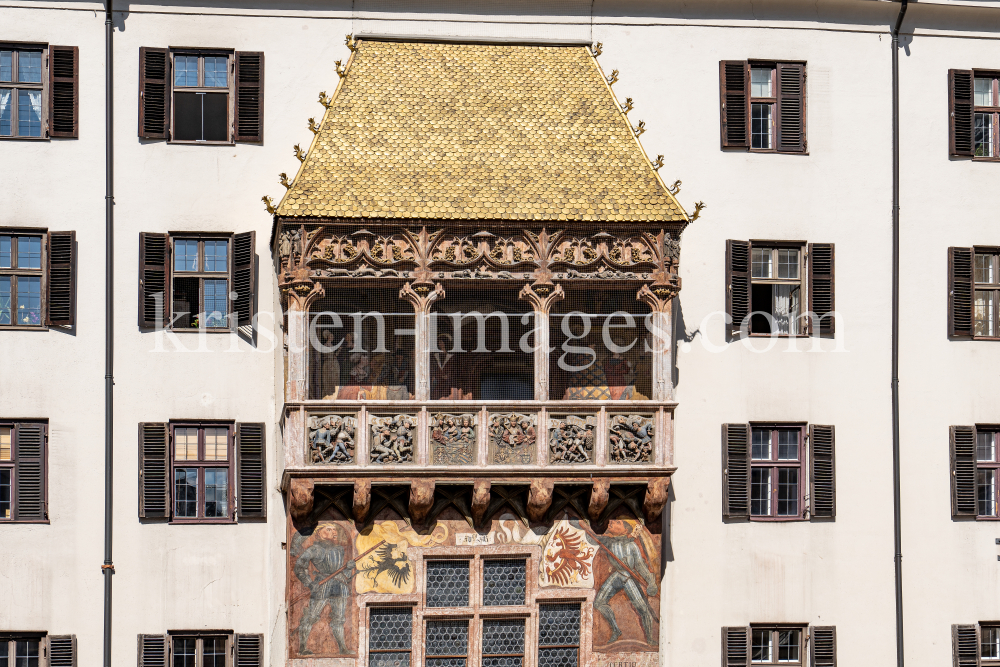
[(421, 296), (659, 298), (542, 297)]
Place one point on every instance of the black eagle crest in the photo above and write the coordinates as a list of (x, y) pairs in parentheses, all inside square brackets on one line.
[(386, 561)]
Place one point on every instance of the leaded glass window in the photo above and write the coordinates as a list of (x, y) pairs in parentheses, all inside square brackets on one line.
[(558, 635), (390, 631), (447, 583), (447, 643), (503, 642), (504, 582)]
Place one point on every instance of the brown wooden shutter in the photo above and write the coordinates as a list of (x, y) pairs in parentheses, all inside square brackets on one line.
[(153, 650), (821, 289), (249, 97), (822, 482), (154, 471), (737, 283), (961, 119), (790, 121), (64, 91), (736, 471), (963, 470), (154, 93), (249, 651), (960, 292), (735, 646), (61, 279), (734, 93), (62, 651), (29, 472), (243, 276), (251, 471), (824, 646), (154, 272), (965, 645)]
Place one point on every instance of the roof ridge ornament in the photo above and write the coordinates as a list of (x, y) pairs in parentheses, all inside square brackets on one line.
[(697, 210), (299, 153), (658, 164), (613, 78), (324, 100), (597, 49), (640, 128), (341, 70), (351, 43), (313, 126), (627, 106), (283, 179), (676, 187), (269, 204)]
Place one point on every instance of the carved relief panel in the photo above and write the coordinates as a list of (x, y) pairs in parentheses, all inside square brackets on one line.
[(391, 438), (332, 438), (453, 438), (571, 439), (512, 438), (630, 438)]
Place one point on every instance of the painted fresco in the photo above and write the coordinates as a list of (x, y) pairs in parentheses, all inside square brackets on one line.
[(615, 566)]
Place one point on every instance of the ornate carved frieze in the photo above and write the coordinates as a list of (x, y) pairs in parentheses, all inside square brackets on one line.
[(630, 439), (332, 438), (571, 439), (333, 250), (391, 438), (512, 438), (453, 438)]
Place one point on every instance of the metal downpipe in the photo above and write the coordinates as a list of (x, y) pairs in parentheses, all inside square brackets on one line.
[(897, 525), (108, 568)]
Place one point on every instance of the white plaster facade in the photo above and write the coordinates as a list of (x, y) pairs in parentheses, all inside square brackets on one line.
[(717, 573)]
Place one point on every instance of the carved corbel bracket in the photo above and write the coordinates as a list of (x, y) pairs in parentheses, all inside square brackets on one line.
[(658, 297), (656, 498), (542, 296), (300, 498), (421, 499), (480, 500), (598, 498), (421, 295), (362, 499), (300, 289), (539, 498)]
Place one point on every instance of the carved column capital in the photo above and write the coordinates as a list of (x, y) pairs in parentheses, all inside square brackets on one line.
[(658, 296), (539, 498), (598, 498), (421, 295), (421, 499), (362, 499), (480, 500), (300, 289), (300, 498), (542, 296), (656, 498)]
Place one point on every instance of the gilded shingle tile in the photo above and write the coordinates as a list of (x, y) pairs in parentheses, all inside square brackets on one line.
[(453, 131)]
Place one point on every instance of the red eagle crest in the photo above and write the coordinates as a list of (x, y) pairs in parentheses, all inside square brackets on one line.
[(570, 557)]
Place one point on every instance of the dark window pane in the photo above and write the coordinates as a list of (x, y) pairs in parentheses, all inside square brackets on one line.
[(29, 113), (186, 302), (504, 582), (4, 654), (761, 445), (5, 252), (559, 625), (29, 252), (390, 629), (216, 116), (185, 651), (389, 660), (760, 650), (788, 646), (504, 636), (5, 300), (216, 70), (186, 492), (214, 652), (6, 112), (215, 256), (4, 494), (187, 117), (788, 445), (760, 125), (986, 487), (447, 583), (760, 491), (216, 303), (558, 657), (29, 301), (990, 643), (788, 491), (26, 654), (29, 66), (448, 638), (216, 492), (762, 303), (185, 255), (185, 70)]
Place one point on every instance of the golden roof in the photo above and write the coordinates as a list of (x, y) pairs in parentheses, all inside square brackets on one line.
[(471, 131)]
